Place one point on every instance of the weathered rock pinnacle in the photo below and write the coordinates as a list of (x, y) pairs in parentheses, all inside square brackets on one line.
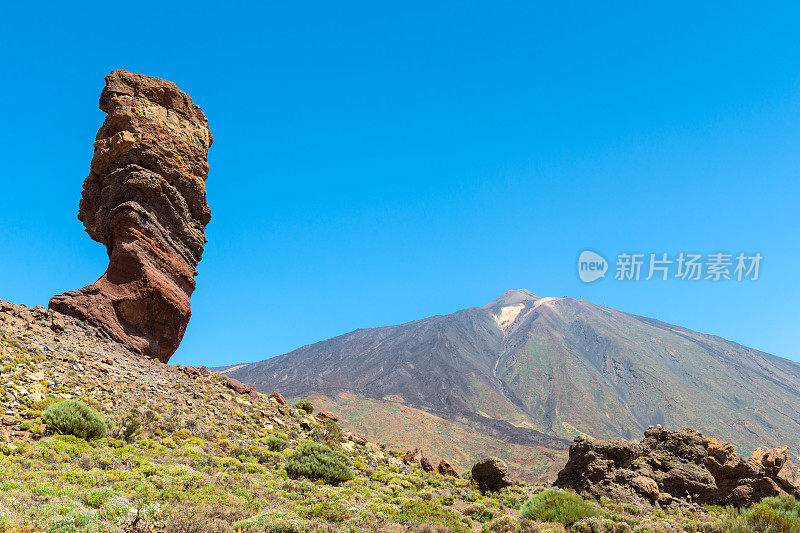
[(145, 199)]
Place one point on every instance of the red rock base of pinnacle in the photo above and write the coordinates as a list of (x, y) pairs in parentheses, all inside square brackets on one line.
[(142, 300)]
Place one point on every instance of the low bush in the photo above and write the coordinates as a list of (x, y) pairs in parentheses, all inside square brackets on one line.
[(276, 444), (778, 514), (785, 504), (304, 405), (333, 432), (426, 514), (201, 519), (504, 524), (132, 427), (478, 512), (553, 505), (317, 461), (72, 417)]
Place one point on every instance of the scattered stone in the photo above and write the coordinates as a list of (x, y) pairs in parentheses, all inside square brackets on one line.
[(190, 371), (34, 376), (144, 199), (35, 397), (491, 474), (278, 397), (236, 385), (412, 456), (322, 415), (426, 465), (645, 486), (446, 469), (57, 323), (359, 439)]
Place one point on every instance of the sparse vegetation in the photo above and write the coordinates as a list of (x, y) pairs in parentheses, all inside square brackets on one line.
[(72, 417), (189, 456)]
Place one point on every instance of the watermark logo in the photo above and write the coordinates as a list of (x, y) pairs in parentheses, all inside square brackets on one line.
[(591, 266), (684, 266)]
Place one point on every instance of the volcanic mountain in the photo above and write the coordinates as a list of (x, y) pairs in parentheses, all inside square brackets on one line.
[(535, 371)]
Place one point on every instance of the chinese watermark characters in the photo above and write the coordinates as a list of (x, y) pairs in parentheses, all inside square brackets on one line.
[(684, 266)]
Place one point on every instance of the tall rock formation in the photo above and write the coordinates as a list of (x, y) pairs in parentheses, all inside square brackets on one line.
[(145, 199)]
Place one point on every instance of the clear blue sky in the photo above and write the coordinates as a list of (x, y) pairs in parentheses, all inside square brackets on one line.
[(377, 163)]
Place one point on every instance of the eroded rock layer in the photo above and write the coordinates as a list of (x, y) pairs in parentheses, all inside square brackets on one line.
[(144, 199), (677, 469)]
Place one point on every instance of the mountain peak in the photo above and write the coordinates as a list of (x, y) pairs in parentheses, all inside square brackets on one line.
[(511, 297)]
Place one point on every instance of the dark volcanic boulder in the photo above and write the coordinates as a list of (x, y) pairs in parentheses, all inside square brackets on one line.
[(677, 469), (145, 200), (491, 473)]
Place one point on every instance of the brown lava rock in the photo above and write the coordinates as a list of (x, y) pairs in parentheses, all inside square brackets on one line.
[(145, 200), (677, 469), (322, 415), (412, 456), (426, 465), (278, 397), (446, 469), (491, 473)]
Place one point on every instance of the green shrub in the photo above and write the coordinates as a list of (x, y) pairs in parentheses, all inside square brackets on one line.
[(426, 512), (779, 514), (317, 461), (47, 402), (304, 405), (553, 505), (276, 444), (504, 524), (133, 426), (97, 497), (785, 504), (333, 432), (329, 511), (478, 512), (72, 417)]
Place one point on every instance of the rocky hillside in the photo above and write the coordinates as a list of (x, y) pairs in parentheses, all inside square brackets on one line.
[(206, 454), (191, 451), (534, 371)]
